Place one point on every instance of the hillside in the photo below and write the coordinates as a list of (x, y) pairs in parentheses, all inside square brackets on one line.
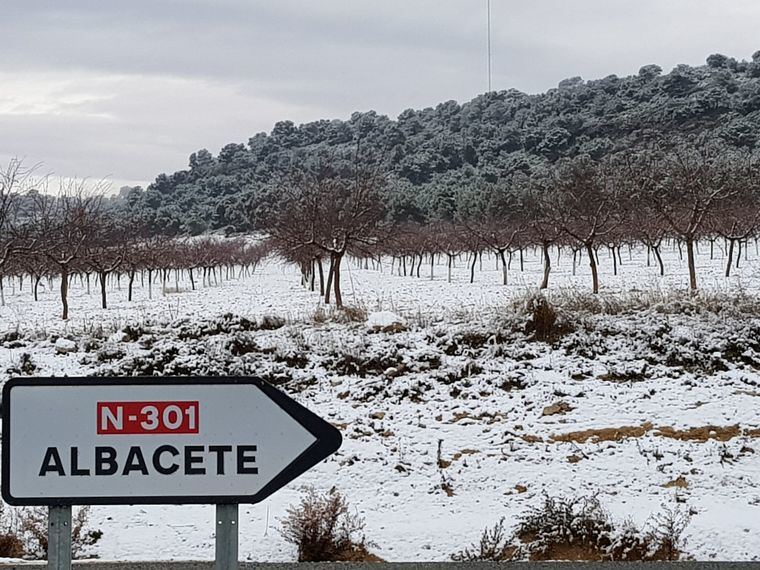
[(430, 153)]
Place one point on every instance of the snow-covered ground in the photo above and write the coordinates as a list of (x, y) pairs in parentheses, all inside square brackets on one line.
[(672, 391)]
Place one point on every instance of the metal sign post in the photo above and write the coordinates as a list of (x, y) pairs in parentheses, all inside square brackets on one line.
[(59, 538), (226, 547)]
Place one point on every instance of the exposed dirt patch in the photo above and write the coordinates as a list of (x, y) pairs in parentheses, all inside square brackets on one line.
[(528, 438), (459, 454), (700, 434), (569, 552), (488, 417), (679, 482), (558, 408), (604, 434)]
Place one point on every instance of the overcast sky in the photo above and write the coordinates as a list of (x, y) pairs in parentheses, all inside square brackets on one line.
[(127, 89)]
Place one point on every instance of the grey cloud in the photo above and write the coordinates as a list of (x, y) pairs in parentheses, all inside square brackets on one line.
[(244, 64)]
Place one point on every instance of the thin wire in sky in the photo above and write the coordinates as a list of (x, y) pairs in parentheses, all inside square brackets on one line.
[(488, 18)]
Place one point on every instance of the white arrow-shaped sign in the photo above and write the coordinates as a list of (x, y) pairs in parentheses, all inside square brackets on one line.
[(154, 440)]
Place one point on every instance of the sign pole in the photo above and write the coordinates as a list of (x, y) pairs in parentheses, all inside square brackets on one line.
[(59, 537), (226, 548)]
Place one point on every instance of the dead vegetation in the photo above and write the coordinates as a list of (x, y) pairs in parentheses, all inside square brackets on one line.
[(494, 545), (545, 323), (735, 304), (24, 532), (579, 529), (324, 529)]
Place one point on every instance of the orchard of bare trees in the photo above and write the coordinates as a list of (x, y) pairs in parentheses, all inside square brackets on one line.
[(67, 234), (580, 206), (323, 210)]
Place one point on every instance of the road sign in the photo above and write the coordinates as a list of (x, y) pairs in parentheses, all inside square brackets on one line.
[(98, 441)]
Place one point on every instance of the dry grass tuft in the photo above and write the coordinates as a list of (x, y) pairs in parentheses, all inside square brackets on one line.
[(736, 303), (324, 530), (494, 545), (24, 532)]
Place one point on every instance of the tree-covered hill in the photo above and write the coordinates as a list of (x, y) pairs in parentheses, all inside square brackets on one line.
[(431, 154)]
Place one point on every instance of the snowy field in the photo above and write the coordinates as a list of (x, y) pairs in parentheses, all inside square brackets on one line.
[(460, 417)]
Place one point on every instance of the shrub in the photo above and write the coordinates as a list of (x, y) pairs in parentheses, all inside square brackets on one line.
[(24, 367), (353, 314), (494, 546), (324, 530), (566, 529), (34, 527), (11, 546), (271, 323), (580, 529), (544, 322), (666, 533)]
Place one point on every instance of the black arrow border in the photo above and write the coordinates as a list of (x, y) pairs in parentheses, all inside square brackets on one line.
[(328, 440)]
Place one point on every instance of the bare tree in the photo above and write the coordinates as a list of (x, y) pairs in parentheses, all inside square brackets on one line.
[(15, 182), (105, 249), (586, 206), (540, 207), (736, 217), (332, 208), (63, 225), (497, 222), (684, 186)]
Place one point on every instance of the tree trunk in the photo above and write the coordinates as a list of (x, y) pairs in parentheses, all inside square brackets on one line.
[(336, 281), (472, 267), (592, 263), (730, 257), (329, 281), (451, 260), (739, 254), (192, 278), (614, 263), (575, 257), (656, 250), (503, 267), (692, 264), (36, 285), (132, 280), (103, 275), (432, 265), (547, 265), (65, 291), (321, 277)]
